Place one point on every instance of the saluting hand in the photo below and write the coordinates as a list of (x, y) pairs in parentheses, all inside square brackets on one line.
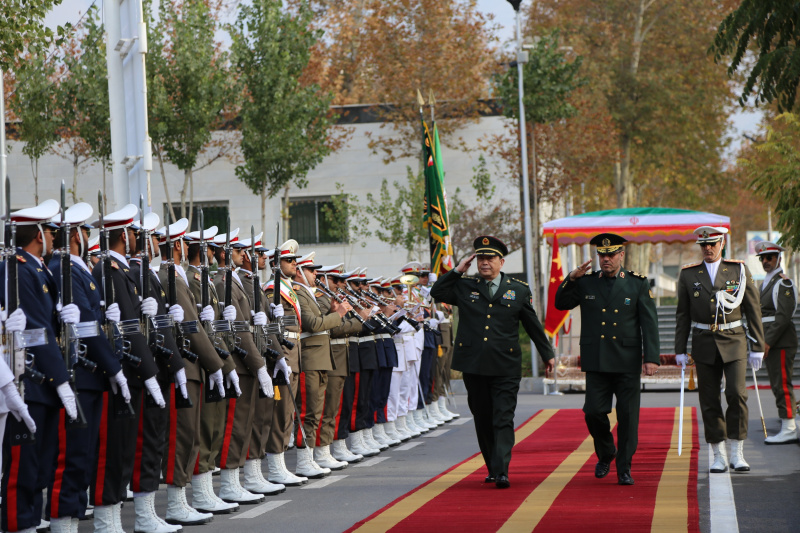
[(465, 263), (580, 271)]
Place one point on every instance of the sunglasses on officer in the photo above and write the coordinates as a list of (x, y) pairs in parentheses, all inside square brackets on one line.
[(767, 257)]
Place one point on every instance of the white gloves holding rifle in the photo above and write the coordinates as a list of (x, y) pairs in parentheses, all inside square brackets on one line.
[(233, 381), (176, 311), (207, 314), (277, 310), (70, 314), (155, 391), (68, 399), (265, 382), (16, 406), (215, 379), (682, 359), (149, 307), (282, 366), (180, 382), (259, 319), (119, 380), (113, 313), (229, 313), (16, 321)]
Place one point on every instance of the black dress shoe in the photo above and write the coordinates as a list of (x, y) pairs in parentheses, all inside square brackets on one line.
[(602, 467), (502, 482), (624, 478), (489, 479)]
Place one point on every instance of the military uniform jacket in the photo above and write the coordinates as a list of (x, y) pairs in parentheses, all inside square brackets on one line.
[(201, 345), (193, 274), (697, 302), (254, 360), (339, 352), (249, 290), (446, 327), (126, 296), (779, 332), (487, 341), (38, 296), (616, 330), (293, 355), (316, 352), (86, 295)]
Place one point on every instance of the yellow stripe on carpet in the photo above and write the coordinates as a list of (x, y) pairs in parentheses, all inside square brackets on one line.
[(534, 507), (411, 503), (672, 507)]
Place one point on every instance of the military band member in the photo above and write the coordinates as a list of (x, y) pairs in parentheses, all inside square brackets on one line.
[(713, 297), (487, 347), (397, 401), (414, 419), (618, 325), (778, 303)]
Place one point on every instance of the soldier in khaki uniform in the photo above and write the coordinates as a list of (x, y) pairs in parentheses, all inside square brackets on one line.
[(712, 312), (446, 359), (778, 303)]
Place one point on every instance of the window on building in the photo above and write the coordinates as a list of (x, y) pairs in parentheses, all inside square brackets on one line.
[(310, 221), (214, 214)]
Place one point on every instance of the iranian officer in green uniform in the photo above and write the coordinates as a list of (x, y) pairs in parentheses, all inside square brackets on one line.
[(486, 349), (618, 327)]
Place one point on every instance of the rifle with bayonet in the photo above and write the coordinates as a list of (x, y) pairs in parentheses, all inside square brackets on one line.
[(234, 341), (261, 333), (212, 395), (151, 325), (283, 321)]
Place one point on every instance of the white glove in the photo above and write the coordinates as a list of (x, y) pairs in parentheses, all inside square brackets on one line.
[(755, 359), (229, 313), (150, 307), (425, 291), (70, 314), (16, 406), (277, 310), (215, 379), (155, 391), (440, 316), (433, 323), (265, 382), (176, 311), (682, 359), (113, 313), (119, 380), (282, 366), (233, 381), (68, 399), (16, 321), (180, 382), (259, 319), (207, 314)]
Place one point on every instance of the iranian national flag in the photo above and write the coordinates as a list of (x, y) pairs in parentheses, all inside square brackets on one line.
[(435, 218), (554, 318)]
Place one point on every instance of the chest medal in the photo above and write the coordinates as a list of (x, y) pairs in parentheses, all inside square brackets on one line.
[(510, 295)]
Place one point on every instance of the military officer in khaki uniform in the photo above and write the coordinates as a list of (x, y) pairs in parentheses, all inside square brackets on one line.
[(446, 328), (778, 303), (618, 325), (487, 349), (713, 297)]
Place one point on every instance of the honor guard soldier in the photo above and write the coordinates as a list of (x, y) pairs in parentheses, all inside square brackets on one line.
[(713, 297), (28, 467), (487, 347), (94, 366), (618, 325), (446, 328), (215, 400), (397, 401), (778, 303)]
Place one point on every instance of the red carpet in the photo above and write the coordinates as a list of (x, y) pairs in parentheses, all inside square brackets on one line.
[(554, 488)]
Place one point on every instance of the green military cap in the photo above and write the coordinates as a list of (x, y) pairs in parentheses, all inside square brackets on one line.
[(608, 242), (488, 245)]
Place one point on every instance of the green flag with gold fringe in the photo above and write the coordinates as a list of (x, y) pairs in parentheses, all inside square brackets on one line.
[(435, 218)]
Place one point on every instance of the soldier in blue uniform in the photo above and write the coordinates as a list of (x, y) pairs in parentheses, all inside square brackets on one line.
[(618, 324), (487, 351)]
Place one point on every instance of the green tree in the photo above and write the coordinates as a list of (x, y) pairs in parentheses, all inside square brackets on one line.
[(21, 29), (284, 123)]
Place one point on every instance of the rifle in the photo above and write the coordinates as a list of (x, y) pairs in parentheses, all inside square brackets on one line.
[(260, 333), (144, 271), (152, 325), (370, 327), (276, 294), (234, 341)]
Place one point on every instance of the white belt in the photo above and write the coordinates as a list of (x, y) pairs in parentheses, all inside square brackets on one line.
[(291, 334), (409, 334), (307, 334), (768, 319), (365, 339), (338, 341), (717, 327), (384, 336)]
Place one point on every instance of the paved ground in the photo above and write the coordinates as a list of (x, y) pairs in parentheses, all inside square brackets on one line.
[(765, 499)]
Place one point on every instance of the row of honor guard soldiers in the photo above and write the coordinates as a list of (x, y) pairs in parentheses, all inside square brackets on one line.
[(145, 375)]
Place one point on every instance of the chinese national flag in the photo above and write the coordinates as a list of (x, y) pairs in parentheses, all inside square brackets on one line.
[(554, 318)]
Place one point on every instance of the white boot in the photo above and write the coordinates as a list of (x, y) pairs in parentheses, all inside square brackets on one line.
[(231, 490), (358, 446), (423, 420), (254, 479), (278, 473), (61, 525), (370, 441), (720, 463), (405, 424), (116, 513), (786, 435), (737, 457), (380, 435), (340, 452), (323, 457), (180, 512), (419, 422), (104, 519), (44, 525), (439, 413), (442, 403), (435, 416), (306, 466), (204, 499), (390, 430), (147, 521)]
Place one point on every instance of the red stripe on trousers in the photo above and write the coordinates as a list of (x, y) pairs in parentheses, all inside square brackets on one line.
[(11, 491), (226, 440), (137, 460), (355, 404), (102, 449), (385, 413), (196, 471), (784, 380), (338, 417), (173, 433), (319, 426), (61, 463), (298, 438)]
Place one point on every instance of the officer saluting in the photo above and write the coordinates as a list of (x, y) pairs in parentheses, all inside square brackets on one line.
[(713, 296), (778, 302), (487, 347)]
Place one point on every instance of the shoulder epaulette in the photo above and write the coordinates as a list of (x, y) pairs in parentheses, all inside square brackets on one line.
[(637, 275), (690, 265), (469, 277), (296, 286), (520, 281), (21, 259), (733, 260), (319, 294)]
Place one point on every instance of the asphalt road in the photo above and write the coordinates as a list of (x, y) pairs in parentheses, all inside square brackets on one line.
[(765, 498)]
